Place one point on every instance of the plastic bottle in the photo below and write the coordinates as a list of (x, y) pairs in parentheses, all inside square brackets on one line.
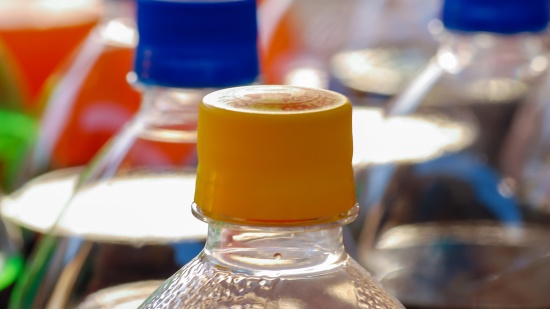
[(53, 27), (275, 184), (388, 43), (298, 37), (524, 162), (25, 26), (125, 227), (84, 102), (443, 229), (88, 99)]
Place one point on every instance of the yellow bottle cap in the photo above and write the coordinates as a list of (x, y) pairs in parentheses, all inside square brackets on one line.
[(275, 155)]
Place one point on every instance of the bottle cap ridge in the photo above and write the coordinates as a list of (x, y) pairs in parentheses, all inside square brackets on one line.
[(196, 43), (496, 16), (275, 155)]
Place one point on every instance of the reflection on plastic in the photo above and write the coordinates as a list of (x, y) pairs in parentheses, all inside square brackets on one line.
[(420, 138)]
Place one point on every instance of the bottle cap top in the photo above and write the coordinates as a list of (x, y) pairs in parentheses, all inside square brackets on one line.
[(275, 155), (195, 44), (496, 16)]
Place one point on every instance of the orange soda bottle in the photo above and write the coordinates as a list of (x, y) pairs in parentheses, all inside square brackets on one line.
[(87, 99), (41, 33)]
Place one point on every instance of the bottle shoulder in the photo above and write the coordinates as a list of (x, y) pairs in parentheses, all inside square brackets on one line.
[(465, 73), (201, 284)]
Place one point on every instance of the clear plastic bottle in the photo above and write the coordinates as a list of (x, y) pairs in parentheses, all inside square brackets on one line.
[(443, 228), (297, 37), (126, 226), (275, 184), (389, 42)]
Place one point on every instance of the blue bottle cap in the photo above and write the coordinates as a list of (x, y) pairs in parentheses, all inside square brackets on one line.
[(496, 16), (196, 43)]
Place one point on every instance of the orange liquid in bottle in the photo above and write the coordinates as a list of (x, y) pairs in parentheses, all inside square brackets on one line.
[(98, 111), (89, 99), (75, 127), (41, 34)]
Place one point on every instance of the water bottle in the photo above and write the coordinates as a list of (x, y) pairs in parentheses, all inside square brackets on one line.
[(443, 228), (389, 42), (275, 185)]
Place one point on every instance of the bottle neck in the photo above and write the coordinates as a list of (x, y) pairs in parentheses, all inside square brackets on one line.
[(171, 110), (520, 54), (275, 251)]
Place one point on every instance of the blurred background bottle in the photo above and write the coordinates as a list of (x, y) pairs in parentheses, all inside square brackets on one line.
[(85, 101), (388, 42), (42, 33), (88, 98), (443, 228), (127, 223), (365, 49), (298, 37)]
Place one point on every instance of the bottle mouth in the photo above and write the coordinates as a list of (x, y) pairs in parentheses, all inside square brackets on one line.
[(309, 225)]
